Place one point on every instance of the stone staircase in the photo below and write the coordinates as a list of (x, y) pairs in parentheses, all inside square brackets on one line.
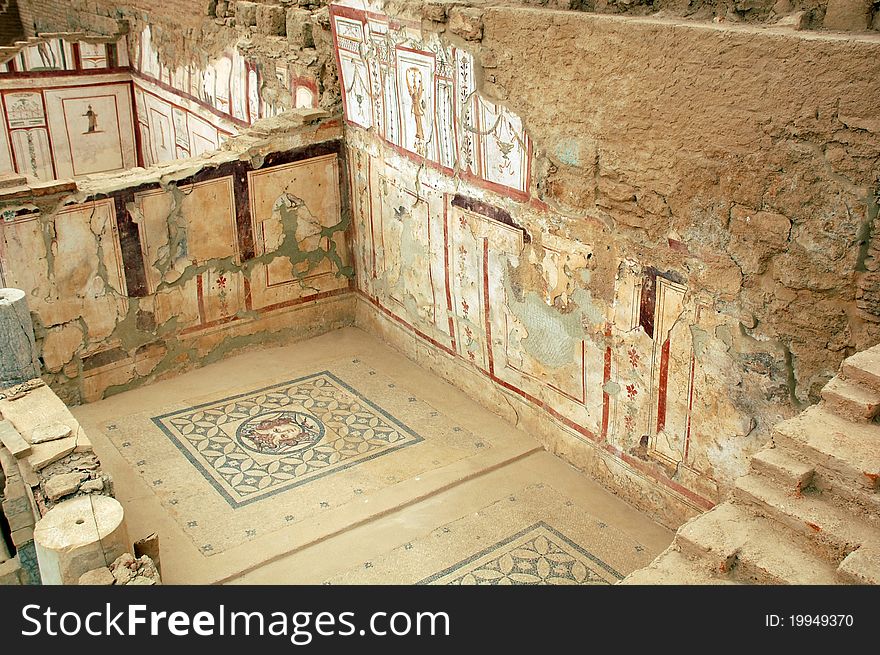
[(807, 512)]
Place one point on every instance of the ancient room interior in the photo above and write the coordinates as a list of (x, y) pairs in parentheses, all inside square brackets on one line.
[(440, 292)]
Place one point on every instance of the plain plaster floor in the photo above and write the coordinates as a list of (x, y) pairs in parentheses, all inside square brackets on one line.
[(338, 460)]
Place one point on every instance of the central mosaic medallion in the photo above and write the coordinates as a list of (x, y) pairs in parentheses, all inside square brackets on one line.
[(256, 444), (276, 433)]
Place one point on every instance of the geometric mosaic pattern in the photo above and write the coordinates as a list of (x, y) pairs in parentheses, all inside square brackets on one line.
[(538, 555), (256, 444)]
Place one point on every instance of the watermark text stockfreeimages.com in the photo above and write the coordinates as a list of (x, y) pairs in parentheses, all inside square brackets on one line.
[(299, 627)]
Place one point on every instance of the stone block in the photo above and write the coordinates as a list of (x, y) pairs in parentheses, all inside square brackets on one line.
[(18, 512), (28, 475), (50, 432), (245, 13), (10, 572), (62, 485), (10, 468), (39, 406), (22, 536), (97, 577), (92, 485), (862, 566), (299, 28), (13, 441), (83, 443), (271, 20), (798, 20), (850, 15), (45, 453), (466, 23)]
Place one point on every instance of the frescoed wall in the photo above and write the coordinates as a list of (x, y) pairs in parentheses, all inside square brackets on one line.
[(66, 130), (418, 96), (611, 355), (229, 87), (68, 53), (131, 283), (74, 106), (172, 127)]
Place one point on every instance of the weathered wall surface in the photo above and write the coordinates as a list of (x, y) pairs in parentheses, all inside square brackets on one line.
[(808, 14), (856, 15), (683, 264), (67, 107), (139, 276), (10, 23), (65, 128), (757, 153), (287, 45)]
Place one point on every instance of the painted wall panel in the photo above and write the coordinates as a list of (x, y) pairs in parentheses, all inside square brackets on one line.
[(92, 129)]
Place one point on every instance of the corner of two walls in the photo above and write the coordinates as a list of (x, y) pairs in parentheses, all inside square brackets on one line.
[(644, 295), (141, 276)]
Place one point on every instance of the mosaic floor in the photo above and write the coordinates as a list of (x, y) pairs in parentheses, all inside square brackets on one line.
[(338, 460), (560, 543), (309, 444), (537, 555), (253, 445)]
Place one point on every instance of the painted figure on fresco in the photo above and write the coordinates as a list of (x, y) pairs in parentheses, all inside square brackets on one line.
[(93, 120), (47, 57), (416, 94)]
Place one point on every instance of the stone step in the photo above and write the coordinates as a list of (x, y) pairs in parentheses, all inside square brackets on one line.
[(861, 566), (851, 400), (827, 529), (863, 367), (855, 500), (790, 473), (13, 441), (672, 567), (732, 538), (833, 446)]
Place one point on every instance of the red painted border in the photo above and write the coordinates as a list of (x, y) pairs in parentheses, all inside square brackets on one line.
[(640, 465), (118, 134), (606, 378), (510, 192), (664, 379)]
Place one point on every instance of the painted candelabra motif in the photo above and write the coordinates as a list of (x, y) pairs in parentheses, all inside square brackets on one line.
[(416, 93), (419, 95)]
